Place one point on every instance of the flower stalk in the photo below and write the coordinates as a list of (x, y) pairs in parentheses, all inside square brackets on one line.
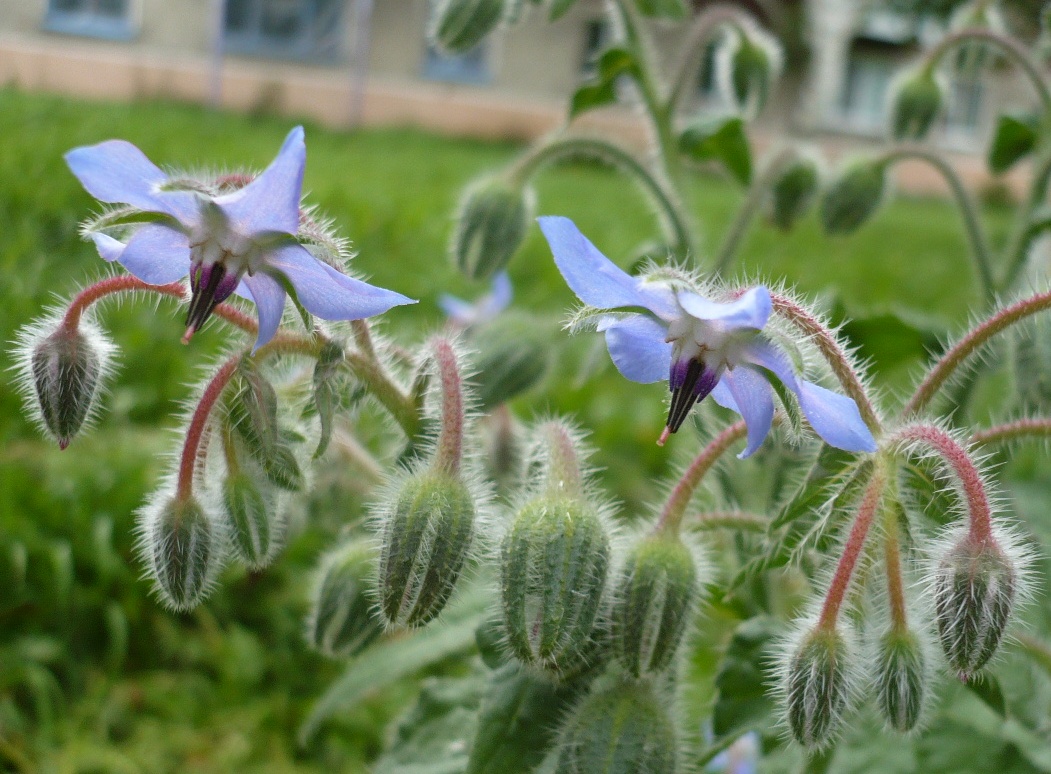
[(450, 439), (679, 499)]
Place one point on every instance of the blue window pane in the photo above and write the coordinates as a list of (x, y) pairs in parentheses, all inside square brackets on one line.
[(292, 29), (92, 18), (470, 67)]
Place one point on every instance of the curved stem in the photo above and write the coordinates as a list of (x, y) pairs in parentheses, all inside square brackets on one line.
[(675, 222), (450, 439), (679, 499), (833, 353), (1016, 251), (968, 209), (1034, 428), (701, 29), (969, 344), (392, 397), (198, 424)]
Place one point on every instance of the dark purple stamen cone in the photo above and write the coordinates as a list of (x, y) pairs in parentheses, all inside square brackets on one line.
[(210, 285), (690, 382)]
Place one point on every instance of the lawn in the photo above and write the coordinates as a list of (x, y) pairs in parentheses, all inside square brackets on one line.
[(94, 674)]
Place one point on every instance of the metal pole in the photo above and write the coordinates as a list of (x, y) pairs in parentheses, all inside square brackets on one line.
[(359, 63), (215, 86)]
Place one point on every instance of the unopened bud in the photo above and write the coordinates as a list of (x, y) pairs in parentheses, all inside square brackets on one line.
[(915, 104), (853, 197), (255, 530), (553, 565), (184, 548), (793, 191), (624, 729), (750, 63), (974, 591), (655, 596), (251, 403), (460, 25), (900, 679), (426, 541), (342, 621), (513, 353), (491, 224), (816, 687)]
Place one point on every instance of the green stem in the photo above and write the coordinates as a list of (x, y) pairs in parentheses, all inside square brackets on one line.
[(400, 405), (968, 209), (707, 22), (892, 564), (1017, 249)]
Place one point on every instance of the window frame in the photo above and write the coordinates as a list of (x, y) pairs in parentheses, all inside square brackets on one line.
[(91, 24), (305, 47)]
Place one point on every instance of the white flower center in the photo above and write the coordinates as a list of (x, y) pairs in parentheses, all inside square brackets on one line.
[(714, 343)]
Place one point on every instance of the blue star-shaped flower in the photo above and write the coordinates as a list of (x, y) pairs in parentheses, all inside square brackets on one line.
[(243, 241), (702, 347)]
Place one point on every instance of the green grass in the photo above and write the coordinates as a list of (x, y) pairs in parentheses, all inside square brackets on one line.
[(116, 684)]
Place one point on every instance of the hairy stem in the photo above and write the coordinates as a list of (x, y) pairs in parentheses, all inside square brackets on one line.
[(198, 424), (564, 476), (892, 565), (450, 439), (378, 382), (704, 25), (1033, 428), (679, 499)]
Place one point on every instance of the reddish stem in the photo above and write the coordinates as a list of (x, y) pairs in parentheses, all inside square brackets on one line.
[(563, 466), (1033, 427), (895, 585), (198, 423), (450, 441), (681, 495), (966, 472), (837, 590)]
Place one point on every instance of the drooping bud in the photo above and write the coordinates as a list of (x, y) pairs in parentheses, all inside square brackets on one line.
[(61, 372), (854, 196), (501, 447), (491, 224), (974, 587), (749, 64), (793, 191), (342, 620), (914, 104), (816, 686), (184, 547), (426, 541), (513, 353), (901, 677), (460, 25), (655, 597), (623, 729), (256, 531)]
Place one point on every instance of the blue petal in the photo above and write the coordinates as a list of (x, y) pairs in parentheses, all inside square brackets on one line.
[(157, 254), (117, 172), (108, 247), (721, 394), (502, 294), (456, 309), (754, 402), (596, 280), (834, 417), (751, 310), (327, 293), (269, 299), (270, 203), (638, 348)]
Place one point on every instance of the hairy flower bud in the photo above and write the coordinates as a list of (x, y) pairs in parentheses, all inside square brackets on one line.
[(426, 541), (655, 597), (793, 192), (342, 621), (513, 354), (623, 729), (491, 224), (748, 63), (853, 197), (256, 532), (816, 686), (184, 548), (974, 588), (900, 679), (915, 104), (460, 25), (553, 565)]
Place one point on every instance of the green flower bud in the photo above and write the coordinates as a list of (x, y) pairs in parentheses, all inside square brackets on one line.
[(624, 729), (815, 687), (915, 104), (793, 192), (900, 679), (853, 197), (426, 541), (513, 353), (553, 566), (749, 63), (460, 25), (655, 596), (256, 532), (974, 590), (342, 621), (491, 224), (184, 548)]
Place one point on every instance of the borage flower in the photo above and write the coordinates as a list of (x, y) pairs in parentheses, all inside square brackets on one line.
[(240, 241), (701, 346)]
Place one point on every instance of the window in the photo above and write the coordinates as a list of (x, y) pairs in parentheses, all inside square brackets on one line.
[(708, 74), (963, 110), (597, 36), (293, 29), (469, 67), (94, 18), (864, 98)]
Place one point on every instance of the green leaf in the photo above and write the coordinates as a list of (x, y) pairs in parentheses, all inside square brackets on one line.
[(987, 688), (1015, 137), (252, 408), (326, 391), (723, 140), (668, 9), (388, 661), (892, 338), (282, 468), (613, 63), (559, 8), (743, 699)]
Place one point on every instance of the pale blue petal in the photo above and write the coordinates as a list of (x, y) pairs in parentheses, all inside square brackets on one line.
[(117, 172), (638, 348), (270, 203), (269, 299), (751, 310), (755, 404), (721, 394), (108, 247), (456, 309), (501, 295), (157, 254), (596, 280), (327, 293)]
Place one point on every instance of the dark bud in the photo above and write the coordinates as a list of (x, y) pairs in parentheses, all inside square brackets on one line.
[(853, 196), (491, 225), (185, 551), (816, 687), (342, 621), (793, 192), (900, 679), (65, 369)]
